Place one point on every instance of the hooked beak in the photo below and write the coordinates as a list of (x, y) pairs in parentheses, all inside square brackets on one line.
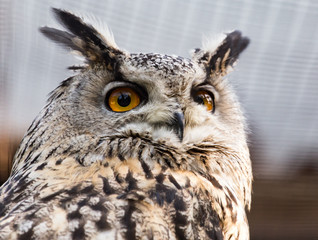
[(178, 124)]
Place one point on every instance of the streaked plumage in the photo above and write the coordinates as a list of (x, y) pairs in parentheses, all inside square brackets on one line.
[(170, 168)]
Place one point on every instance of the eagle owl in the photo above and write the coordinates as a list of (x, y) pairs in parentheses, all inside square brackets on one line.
[(135, 146)]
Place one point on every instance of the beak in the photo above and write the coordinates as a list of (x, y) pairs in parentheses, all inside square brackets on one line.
[(178, 124)]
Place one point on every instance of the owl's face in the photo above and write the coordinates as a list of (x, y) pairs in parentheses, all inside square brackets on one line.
[(169, 100)]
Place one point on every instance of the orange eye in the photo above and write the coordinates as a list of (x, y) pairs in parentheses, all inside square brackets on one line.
[(122, 99), (205, 98)]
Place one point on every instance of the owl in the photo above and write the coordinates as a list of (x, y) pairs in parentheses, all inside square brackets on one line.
[(134, 146)]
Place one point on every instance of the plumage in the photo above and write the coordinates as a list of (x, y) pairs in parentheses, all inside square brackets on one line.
[(135, 146)]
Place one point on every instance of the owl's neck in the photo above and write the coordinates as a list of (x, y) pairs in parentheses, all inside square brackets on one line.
[(209, 161)]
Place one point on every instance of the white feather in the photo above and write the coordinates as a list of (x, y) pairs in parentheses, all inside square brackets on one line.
[(210, 44), (102, 28)]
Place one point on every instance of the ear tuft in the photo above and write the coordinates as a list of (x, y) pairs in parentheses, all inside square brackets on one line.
[(84, 38), (219, 55)]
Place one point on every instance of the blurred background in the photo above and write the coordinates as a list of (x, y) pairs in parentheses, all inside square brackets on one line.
[(276, 80)]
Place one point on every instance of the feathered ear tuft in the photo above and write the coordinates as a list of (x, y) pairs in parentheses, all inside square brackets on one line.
[(219, 55), (84, 38)]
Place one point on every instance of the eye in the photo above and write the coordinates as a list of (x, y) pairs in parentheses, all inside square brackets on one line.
[(122, 99), (205, 98)]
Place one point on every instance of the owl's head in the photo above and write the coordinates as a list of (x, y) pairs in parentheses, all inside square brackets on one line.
[(169, 99), (169, 102)]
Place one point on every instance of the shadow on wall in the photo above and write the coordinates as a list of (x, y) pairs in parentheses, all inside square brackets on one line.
[(8, 147)]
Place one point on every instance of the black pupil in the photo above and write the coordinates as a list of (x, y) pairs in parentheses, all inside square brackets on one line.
[(199, 99), (124, 100)]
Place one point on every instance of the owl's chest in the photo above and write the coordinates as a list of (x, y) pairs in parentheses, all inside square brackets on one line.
[(130, 205), (121, 200), (152, 203)]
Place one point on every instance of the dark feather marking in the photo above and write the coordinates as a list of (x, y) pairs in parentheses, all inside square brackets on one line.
[(52, 196), (87, 189), (128, 222), (150, 235), (35, 159), (21, 184), (163, 169), (140, 152), (167, 161), (79, 233), (119, 178), (180, 219), (30, 216), (34, 149), (59, 95), (80, 160), (102, 223), (187, 185), (2, 209), (206, 213), (76, 68), (28, 157), (67, 150), (110, 150), (66, 82), (121, 157), (99, 207), (51, 152), (160, 177), (231, 196), (82, 203), (229, 203), (74, 190), (23, 151), (106, 186), (99, 142), (65, 201), (132, 182), (40, 167), (170, 154), (215, 233), (30, 144), (33, 126), (158, 197), (215, 182), (132, 195), (31, 135), (146, 169), (180, 233), (74, 215), (179, 203), (40, 135), (174, 182), (58, 162), (27, 235), (234, 217), (164, 193), (60, 37), (83, 157), (15, 226), (18, 196)]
